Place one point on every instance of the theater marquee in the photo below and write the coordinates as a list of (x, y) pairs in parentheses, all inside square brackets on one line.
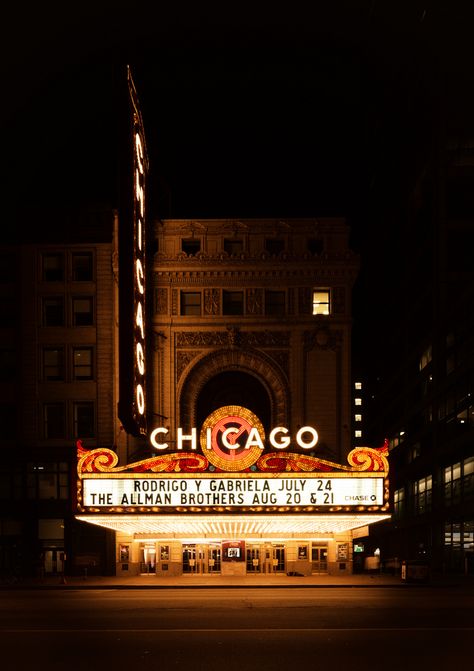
[(236, 468)]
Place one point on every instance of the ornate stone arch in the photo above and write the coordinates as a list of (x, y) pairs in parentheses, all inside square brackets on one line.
[(247, 361)]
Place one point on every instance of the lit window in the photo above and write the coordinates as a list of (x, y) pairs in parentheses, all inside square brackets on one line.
[(190, 303), (358, 385), (422, 495), (357, 401), (358, 433), (321, 302), (426, 357), (358, 418)]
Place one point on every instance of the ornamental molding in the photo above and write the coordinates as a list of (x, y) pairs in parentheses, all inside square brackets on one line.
[(233, 337), (323, 339)]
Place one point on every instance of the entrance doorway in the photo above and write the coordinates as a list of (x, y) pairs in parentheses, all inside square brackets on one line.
[(201, 558), (254, 563), (278, 558), (319, 558), (147, 558), (53, 561)]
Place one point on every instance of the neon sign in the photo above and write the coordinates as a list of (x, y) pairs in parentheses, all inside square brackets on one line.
[(139, 277)]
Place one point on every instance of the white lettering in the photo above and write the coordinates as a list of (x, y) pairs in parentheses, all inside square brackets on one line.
[(140, 276), (311, 443), (140, 399), (140, 359), (154, 434), (192, 437), (283, 442), (139, 319)]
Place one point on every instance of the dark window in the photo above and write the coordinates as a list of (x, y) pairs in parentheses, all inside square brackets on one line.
[(82, 311), (274, 302), (190, 246), (8, 364), (190, 303), (53, 363), (315, 245), (274, 245), (82, 363), (53, 267), (84, 419), (82, 267), (53, 311), (8, 421), (53, 418), (233, 246), (233, 303), (47, 480)]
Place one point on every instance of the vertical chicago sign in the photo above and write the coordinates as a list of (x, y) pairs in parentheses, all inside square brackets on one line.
[(132, 273)]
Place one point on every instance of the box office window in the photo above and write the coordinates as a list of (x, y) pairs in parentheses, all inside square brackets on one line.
[(82, 267), (53, 311), (53, 267), (53, 420), (82, 363), (82, 311), (53, 363), (84, 419), (233, 302), (190, 303)]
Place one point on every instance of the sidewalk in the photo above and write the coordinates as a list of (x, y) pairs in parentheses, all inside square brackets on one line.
[(249, 581)]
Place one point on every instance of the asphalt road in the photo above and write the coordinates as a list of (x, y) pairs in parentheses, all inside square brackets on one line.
[(236, 629)]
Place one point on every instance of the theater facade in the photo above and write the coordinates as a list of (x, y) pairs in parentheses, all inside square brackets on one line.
[(244, 461)]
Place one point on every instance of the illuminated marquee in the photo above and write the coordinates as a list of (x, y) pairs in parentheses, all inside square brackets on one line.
[(238, 469)]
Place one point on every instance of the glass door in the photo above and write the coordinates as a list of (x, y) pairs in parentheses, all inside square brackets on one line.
[(278, 561), (319, 558), (214, 557), (147, 558), (254, 565)]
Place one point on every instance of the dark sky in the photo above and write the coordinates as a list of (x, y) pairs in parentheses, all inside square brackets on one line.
[(247, 113), (312, 109)]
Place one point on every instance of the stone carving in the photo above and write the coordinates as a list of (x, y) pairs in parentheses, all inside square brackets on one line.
[(322, 338), (183, 359), (255, 301), (304, 300), (339, 300), (174, 302), (161, 301), (211, 301)]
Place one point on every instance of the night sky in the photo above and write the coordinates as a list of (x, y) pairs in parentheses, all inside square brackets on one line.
[(289, 112)]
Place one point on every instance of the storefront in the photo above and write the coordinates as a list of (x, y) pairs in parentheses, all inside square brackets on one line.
[(233, 500)]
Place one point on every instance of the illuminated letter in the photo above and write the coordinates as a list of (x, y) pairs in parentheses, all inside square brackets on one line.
[(139, 319), (140, 278), (139, 150), (233, 445), (182, 437), (284, 442), (140, 399), (209, 438), (153, 435), (313, 432), (254, 439), (140, 359)]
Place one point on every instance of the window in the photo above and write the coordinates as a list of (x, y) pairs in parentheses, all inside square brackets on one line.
[(8, 364), (274, 246), (422, 495), (321, 302), (426, 357), (190, 302), (357, 401), (82, 311), (452, 483), (358, 418), (358, 385), (315, 246), (233, 303), (399, 502), (275, 302), (53, 363), (53, 267), (358, 433), (53, 420), (53, 311), (82, 267), (191, 246), (233, 246), (8, 420), (84, 420), (82, 368), (46, 481)]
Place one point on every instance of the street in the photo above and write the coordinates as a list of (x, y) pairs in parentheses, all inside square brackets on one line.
[(236, 628)]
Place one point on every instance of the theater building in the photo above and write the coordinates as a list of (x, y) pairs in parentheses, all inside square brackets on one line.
[(244, 460)]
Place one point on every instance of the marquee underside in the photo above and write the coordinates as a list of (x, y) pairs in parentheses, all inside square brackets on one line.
[(220, 527)]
